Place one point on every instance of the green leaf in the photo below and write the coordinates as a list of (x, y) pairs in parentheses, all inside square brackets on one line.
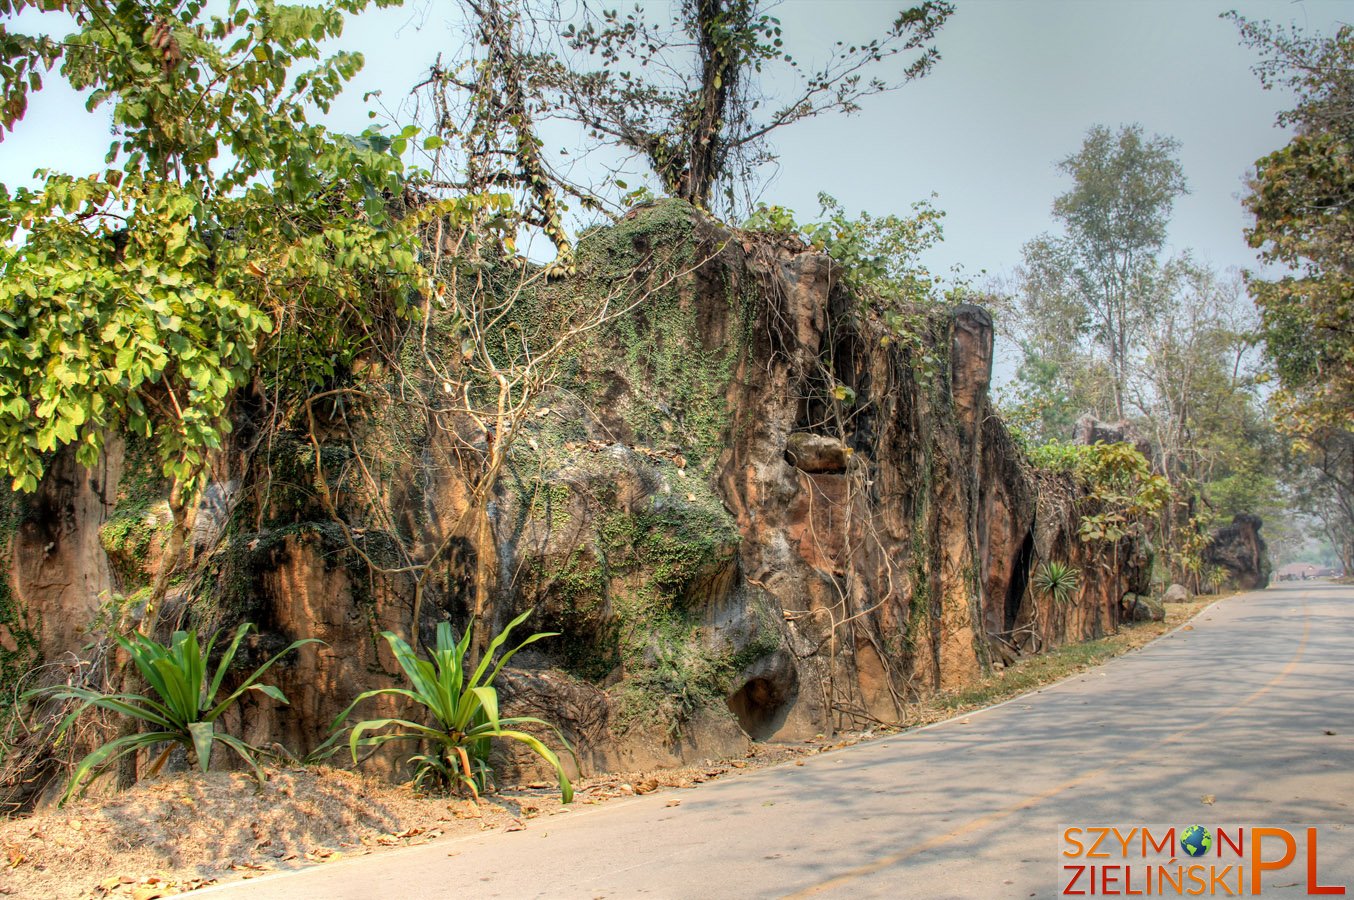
[(203, 734)]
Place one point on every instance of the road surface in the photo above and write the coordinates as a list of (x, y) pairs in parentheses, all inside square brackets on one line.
[(1238, 710)]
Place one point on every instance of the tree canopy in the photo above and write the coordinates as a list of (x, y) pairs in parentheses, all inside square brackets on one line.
[(681, 91), (1109, 325), (1302, 200), (144, 295), (1098, 278)]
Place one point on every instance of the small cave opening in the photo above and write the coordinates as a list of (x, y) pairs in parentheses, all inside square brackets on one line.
[(1020, 579), (761, 706)]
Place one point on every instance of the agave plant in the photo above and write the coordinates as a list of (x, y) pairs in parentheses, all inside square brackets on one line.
[(463, 707), (1058, 580), (182, 706)]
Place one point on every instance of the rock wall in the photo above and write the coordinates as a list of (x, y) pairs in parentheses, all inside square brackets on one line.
[(755, 508), (1240, 553)]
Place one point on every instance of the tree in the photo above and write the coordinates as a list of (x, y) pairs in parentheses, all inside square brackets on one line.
[(231, 243), (1060, 375), (484, 136), (1115, 216), (1194, 395), (683, 95), (1324, 488), (1302, 198), (1193, 382), (1109, 326)]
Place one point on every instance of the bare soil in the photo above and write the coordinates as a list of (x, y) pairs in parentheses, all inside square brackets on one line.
[(174, 834)]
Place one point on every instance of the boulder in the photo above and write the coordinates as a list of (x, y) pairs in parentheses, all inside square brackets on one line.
[(1143, 608), (1090, 430), (1176, 593)]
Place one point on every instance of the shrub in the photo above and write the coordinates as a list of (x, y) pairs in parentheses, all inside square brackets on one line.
[(464, 709), (1116, 476), (183, 709)]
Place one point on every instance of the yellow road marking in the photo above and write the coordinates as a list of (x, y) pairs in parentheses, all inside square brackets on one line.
[(1035, 799)]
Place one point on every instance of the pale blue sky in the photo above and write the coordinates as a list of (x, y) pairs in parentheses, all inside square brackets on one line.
[(1019, 83)]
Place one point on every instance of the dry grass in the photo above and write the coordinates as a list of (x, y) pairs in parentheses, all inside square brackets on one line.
[(177, 833)]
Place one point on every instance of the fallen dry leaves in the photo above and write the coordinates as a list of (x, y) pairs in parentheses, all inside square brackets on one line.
[(148, 887)]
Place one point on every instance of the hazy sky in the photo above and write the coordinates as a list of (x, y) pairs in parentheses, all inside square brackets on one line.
[(1019, 83)]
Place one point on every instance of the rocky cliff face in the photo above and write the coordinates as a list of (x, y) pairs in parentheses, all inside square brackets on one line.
[(752, 509), (1240, 553)]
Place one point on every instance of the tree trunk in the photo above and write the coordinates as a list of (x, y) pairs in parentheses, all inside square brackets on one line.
[(716, 21)]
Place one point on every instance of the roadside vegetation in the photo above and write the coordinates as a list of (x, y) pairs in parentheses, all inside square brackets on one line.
[(181, 711), (463, 706), (238, 261)]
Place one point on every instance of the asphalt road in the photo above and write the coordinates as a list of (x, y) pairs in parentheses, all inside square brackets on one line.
[(1235, 711)]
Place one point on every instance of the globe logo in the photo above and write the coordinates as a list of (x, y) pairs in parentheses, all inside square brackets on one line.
[(1196, 840)]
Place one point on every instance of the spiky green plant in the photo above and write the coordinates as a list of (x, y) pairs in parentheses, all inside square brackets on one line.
[(463, 706), (181, 707), (1057, 580)]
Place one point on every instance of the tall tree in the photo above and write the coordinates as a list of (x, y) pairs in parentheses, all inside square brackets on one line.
[(683, 95), (1323, 487), (1302, 198), (1110, 326), (1194, 384), (1061, 375), (1123, 187), (1193, 393)]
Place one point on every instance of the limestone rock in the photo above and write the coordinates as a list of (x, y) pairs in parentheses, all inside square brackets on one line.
[(682, 508), (816, 453), (1240, 551), (1090, 430), (1144, 608), (1176, 593)]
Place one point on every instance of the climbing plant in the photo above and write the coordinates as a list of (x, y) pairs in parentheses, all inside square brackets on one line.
[(678, 87), (142, 294)]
